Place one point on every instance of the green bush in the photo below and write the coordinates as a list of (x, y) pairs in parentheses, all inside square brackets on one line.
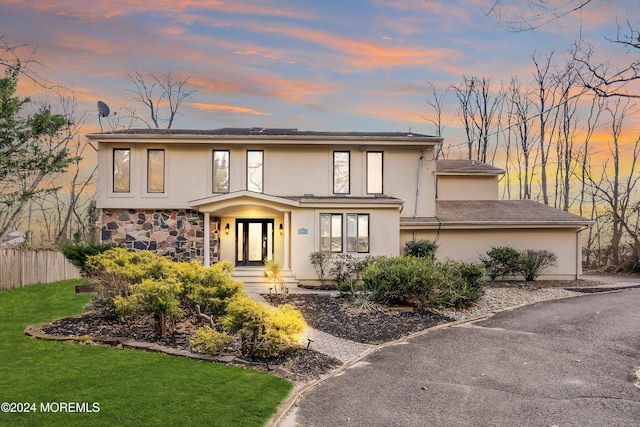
[(534, 262), (423, 282), (420, 248), (501, 261), (207, 340), (264, 330), (463, 284), (77, 253)]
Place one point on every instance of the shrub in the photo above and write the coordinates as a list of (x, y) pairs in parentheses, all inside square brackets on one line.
[(118, 268), (534, 262), (159, 298), (207, 340), (77, 253), (403, 280), (424, 282), (463, 284), (264, 331), (420, 248), (501, 261), (320, 261), (211, 288), (274, 274)]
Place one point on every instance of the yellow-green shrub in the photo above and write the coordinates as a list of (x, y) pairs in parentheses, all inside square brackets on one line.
[(118, 268), (209, 287), (161, 298), (207, 340), (264, 330)]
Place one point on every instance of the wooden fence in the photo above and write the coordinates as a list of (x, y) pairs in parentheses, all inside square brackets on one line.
[(23, 267)]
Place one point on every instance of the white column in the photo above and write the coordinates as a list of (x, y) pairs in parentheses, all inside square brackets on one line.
[(287, 241), (207, 240)]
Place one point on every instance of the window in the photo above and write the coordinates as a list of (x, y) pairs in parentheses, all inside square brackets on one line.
[(220, 171), (341, 172), (331, 232), (358, 233), (155, 171), (255, 170), (121, 170), (374, 172)]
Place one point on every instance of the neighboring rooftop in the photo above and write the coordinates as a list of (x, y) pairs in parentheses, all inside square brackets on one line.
[(464, 166)]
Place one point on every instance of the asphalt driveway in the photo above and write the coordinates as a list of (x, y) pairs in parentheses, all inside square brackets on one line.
[(562, 363)]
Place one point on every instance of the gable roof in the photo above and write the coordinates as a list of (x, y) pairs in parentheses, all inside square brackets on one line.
[(464, 167), (518, 213)]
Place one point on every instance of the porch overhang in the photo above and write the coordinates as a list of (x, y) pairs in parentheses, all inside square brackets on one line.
[(237, 199)]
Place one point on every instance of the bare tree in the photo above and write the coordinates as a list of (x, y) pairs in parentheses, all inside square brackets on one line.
[(535, 13), (435, 101), (545, 83), (519, 116), (479, 110), (615, 187), (163, 95)]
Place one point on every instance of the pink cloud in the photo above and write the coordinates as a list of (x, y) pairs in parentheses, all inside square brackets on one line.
[(229, 108)]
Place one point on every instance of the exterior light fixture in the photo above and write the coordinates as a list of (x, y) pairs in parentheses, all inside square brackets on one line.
[(226, 229), (281, 230)]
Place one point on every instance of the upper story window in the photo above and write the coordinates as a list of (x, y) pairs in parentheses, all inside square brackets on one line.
[(341, 165), (331, 232), (221, 171), (374, 172), (121, 170), (255, 170), (155, 171), (358, 233)]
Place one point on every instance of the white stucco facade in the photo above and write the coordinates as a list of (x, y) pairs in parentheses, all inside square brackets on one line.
[(357, 193)]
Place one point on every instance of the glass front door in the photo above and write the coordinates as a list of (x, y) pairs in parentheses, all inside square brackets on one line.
[(254, 241)]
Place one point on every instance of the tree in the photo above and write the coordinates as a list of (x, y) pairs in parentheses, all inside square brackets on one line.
[(162, 95), (615, 187), (480, 109), (32, 148)]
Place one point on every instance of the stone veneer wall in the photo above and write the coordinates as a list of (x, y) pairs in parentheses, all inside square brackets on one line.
[(178, 234)]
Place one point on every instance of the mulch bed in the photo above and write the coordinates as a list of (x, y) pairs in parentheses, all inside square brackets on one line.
[(323, 312), (334, 315)]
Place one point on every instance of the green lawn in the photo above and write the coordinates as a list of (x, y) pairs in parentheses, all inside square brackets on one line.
[(132, 388)]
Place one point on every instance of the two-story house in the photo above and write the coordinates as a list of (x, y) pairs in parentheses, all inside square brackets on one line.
[(253, 194)]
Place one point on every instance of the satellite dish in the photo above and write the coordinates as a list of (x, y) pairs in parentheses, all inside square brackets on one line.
[(103, 109)]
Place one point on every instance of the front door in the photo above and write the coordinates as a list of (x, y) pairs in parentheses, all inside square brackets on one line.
[(254, 241)]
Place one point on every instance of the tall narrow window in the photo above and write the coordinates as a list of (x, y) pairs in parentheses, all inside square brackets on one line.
[(358, 233), (121, 170), (220, 171), (331, 232), (341, 172), (155, 171), (255, 170), (374, 172)]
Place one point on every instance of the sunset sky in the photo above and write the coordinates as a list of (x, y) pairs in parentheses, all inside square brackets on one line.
[(348, 65)]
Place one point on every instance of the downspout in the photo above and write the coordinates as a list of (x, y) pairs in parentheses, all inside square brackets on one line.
[(579, 251), (415, 212)]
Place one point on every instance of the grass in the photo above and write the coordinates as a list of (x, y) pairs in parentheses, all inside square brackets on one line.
[(132, 388)]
